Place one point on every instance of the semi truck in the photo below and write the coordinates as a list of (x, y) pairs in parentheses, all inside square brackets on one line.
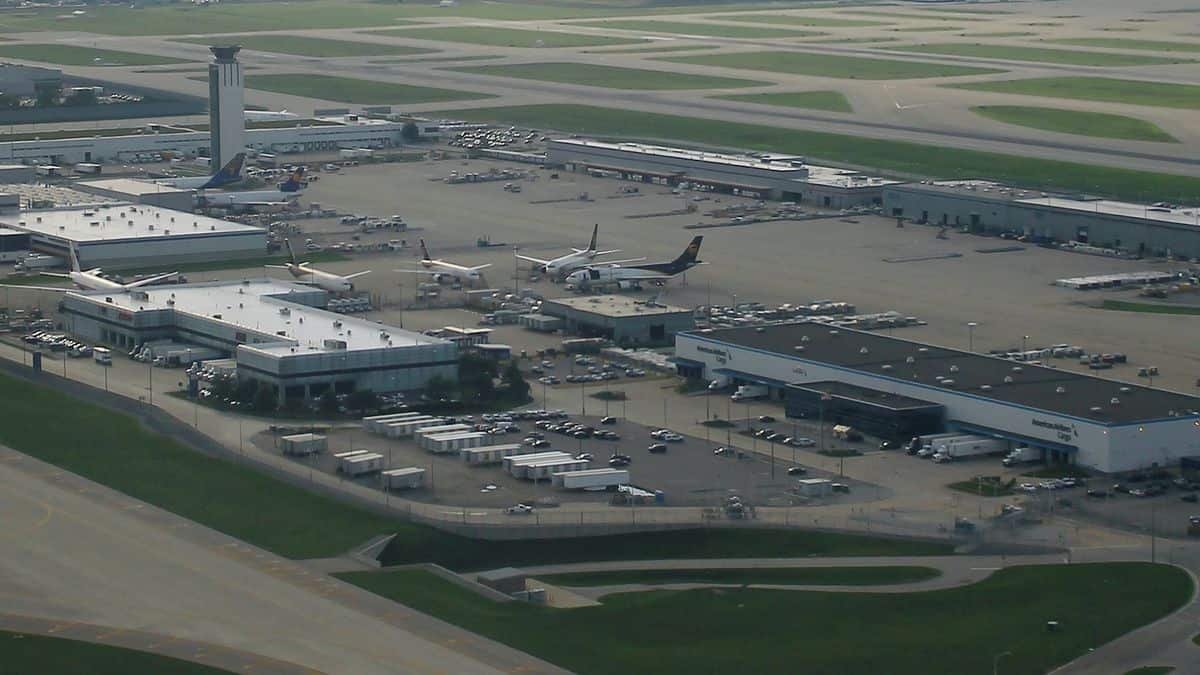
[(1022, 455), (961, 449), (749, 392)]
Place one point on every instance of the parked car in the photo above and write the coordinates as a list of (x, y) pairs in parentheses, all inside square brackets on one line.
[(797, 471), (766, 419), (608, 420), (657, 447), (519, 510)]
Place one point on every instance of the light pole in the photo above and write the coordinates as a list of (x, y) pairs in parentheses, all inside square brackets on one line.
[(996, 662), (150, 379), (971, 335), (1024, 343)]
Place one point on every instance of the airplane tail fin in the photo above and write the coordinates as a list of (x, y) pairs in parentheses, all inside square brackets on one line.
[(230, 173), (294, 182), (74, 257), (424, 251), (592, 244), (688, 257)]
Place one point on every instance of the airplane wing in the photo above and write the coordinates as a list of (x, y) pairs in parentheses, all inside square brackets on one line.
[(421, 271), (151, 280), (479, 267), (609, 263), (357, 274), (615, 250), (534, 260), (57, 289), (56, 274), (277, 267)]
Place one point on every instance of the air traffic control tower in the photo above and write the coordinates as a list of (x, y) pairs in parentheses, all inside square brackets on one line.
[(226, 103)]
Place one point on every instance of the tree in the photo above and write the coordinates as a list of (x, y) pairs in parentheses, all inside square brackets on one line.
[(514, 383), (9, 101), (476, 378), (48, 96), (328, 402), (438, 388), (81, 97), (362, 400), (410, 132), (265, 399)]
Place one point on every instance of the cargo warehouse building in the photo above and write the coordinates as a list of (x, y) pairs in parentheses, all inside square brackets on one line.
[(765, 176), (987, 207), (626, 321), (849, 376), (134, 235), (276, 331)]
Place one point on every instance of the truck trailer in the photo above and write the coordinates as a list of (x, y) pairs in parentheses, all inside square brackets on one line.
[(590, 479), (750, 392)]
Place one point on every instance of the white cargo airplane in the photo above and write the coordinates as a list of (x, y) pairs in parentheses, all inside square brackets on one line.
[(565, 264), (630, 277), (306, 274), (287, 192), (229, 174), (91, 280), (442, 270)]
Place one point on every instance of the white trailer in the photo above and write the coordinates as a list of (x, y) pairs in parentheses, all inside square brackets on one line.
[(375, 423), (521, 460), (454, 441), (749, 392), (493, 454), (406, 428), (88, 167), (339, 456), (303, 444), (546, 468), (406, 478), (431, 429), (360, 465), (590, 479), (1022, 455), (980, 445)]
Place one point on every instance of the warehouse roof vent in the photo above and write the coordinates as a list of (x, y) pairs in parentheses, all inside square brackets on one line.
[(886, 367), (864, 350), (337, 324), (1008, 379), (985, 387), (284, 311), (910, 359), (922, 350), (948, 382), (1060, 389), (1126, 390), (835, 332), (1018, 369), (805, 338), (1096, 410), (799, 348), (954, 369), (1114, 401)]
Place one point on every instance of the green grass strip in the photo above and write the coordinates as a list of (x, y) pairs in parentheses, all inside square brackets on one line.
[(1149, 308), (1129, 43), (1040, 55), (778, 631), (310, 46), (706, 29), (885, 155), (25, 653), (830, 65), (795, 576), (352, 90), (73, 55), (1112, 90), (492, 36), (612, 77), (1078, 122)]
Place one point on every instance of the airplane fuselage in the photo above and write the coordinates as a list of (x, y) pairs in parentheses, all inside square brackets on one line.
[(445, 269), (324, 280)]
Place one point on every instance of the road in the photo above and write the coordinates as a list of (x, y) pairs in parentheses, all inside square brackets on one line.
[(79, 560)]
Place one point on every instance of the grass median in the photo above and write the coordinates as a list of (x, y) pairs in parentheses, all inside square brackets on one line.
[(705, 29), (830, 65), (313, 47), (879, 154), (777, 631), (611, 77), (352, 90), (1111, 90), (792, 576), (1077, 122), (493, 36), (25, 653), (1149, 308), (833, 101), (1040, 55), (1130, 43), (72, 55)]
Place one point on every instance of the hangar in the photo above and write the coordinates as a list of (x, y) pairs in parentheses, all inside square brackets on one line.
[(626, 321), (277, 332), (133, 235), (1097, 423)]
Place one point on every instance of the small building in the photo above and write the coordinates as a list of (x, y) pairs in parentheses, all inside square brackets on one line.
[(303, 444), (361, 464), (507, 580), (814, 488), (17, 173), (452, 443), (403, 479), (14, 244), (624, 320), (493, 352), (140, 192), (540, 322)]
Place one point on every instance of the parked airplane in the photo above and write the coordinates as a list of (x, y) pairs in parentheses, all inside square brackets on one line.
[(442, 270), (306, 274), (269, 115), (631, 277), (91, 280), (229, 174), (285, 193), (565, 264)]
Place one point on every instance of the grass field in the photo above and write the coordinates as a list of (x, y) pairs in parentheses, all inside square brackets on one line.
[(766, 631), (1078, 122), (828, 65), (351, 90), (302, 14), (1149, 308), (612, 77), (1010, 33), (72, 55), (315, 47), (925, 29), (1136, 92), (1039, 54), (1151, 670), (1131, 43), (800, 20), (925, 16), (24, 653), (885, 155), (706, 29), (795, 576), (833, 101), (506, 37)]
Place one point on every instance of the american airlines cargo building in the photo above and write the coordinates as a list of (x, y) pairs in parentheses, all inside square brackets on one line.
[(1074, 418)]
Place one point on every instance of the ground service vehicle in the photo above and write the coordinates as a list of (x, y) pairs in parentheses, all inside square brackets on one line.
[(102, 355)]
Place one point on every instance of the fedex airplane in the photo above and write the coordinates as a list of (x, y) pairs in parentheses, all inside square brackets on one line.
[(229, 174)]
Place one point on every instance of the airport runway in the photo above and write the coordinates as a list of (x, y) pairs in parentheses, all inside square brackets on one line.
[(77, 558)]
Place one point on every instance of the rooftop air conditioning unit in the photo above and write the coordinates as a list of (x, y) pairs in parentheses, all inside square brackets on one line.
[(910, 359), (954, 369), (1060, 390), (864, 350), (1114, 401)]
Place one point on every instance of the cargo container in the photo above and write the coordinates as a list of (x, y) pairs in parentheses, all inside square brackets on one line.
[(452, 442), (359, 465), (376, 424), (544, 469), (590, 479), (348, 454), (749, 392), (494, 454), (403, 479), (973, 447), (406, 428), (303, 444), (440, 428), (518, 460), (88, 167)]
